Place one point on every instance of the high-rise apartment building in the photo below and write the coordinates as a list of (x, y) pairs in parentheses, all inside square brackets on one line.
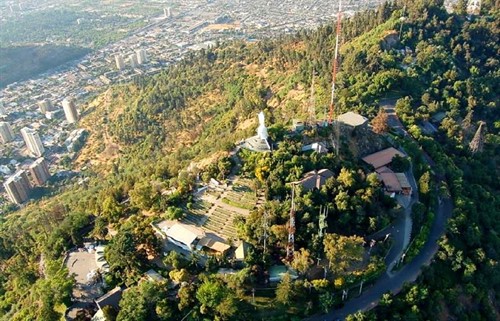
[(70, 111), (18, 187), (45, 106), (133, 60), (6, 134), (167, 12), (39, 171), (120, 63), (141, 56), (3, 112), (33, 141)]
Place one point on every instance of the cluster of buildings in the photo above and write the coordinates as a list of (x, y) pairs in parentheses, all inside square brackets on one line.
[(18, 186), (33, 134), (393, 182), (31, 107)]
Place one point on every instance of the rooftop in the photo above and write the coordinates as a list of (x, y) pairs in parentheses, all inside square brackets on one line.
[(213, 244), (352, 119), (390, 181), (185, 234), (111, 298), (315, 179), (383, 157)]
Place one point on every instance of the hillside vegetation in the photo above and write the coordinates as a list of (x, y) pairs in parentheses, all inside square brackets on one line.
[(156, 127)]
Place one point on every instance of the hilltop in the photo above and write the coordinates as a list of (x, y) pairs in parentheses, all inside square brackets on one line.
[(144, 136)]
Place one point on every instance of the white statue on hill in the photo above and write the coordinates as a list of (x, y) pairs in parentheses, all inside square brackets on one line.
[(262, 130)]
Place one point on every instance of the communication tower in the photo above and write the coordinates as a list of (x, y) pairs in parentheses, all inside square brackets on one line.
[(323, 214), (476, 145), (312, 104), (290, 248), (332, 113)]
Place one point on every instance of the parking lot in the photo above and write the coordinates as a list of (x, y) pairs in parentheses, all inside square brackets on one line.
[(82, 264)]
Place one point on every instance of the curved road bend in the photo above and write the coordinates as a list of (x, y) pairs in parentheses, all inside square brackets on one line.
[(409, 273)]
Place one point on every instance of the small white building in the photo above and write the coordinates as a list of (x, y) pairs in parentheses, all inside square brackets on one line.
[(182, 235)]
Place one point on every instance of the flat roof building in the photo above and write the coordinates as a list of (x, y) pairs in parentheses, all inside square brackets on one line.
[(18, 187), (353, 119), (45, 106), (120, 63), (39, 171), (141, 56), (70, 111), (33, 141), (6, 134), (133, 60)]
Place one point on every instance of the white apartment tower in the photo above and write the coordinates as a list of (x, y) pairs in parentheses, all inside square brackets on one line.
[(2, 109), (167, 12), (45, 106), (18, 187), (133, 60), (6, 134), (33, 141), (141, 56), (120, 63), (70, 111)]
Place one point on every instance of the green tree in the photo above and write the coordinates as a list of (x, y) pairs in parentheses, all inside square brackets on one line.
[(210, 294), (285, 291), (326, 301), (145, 302), (110, 313), (122, 253), (186, 296), (400, 164), (343, 252), (174, 213), (302, 261)]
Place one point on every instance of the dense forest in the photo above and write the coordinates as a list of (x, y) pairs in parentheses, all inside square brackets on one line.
[(431, 62)]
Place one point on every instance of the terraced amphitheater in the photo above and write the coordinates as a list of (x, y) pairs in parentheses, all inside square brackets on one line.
[(240, 196), (197, 214), (221, 222), (216, 209)]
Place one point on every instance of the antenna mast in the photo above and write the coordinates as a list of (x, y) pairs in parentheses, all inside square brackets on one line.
[(312, 103), (323, 214), (335, 63), (290, 248)]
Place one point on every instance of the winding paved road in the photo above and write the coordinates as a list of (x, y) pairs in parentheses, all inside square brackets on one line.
[(409, 273), (394, 282)]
